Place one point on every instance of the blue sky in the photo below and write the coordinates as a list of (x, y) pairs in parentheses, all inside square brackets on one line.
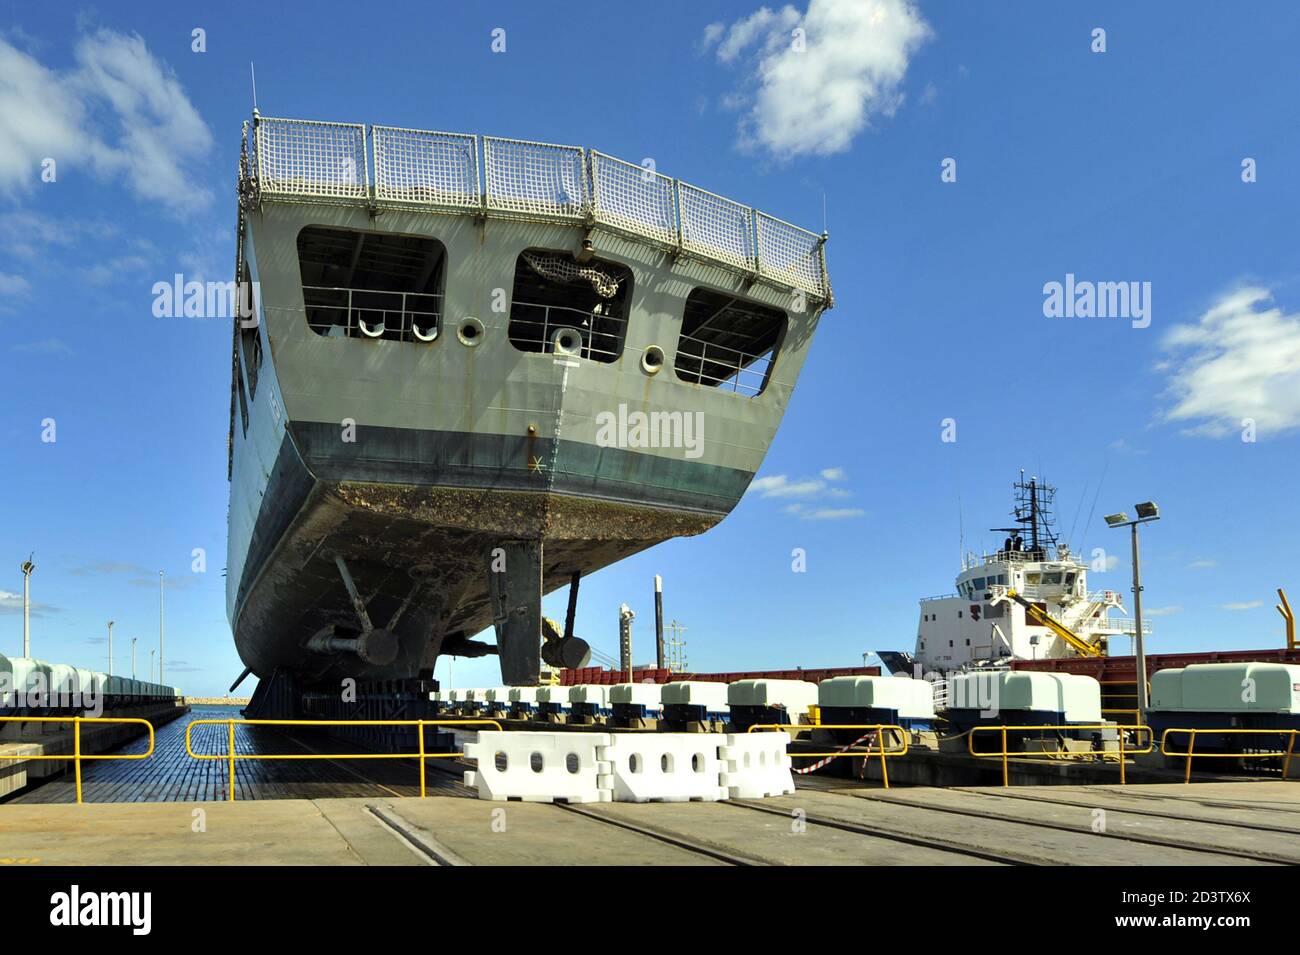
[(1123, 165)]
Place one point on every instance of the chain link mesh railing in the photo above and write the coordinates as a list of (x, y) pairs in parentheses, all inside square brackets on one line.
[(633, 198), (308, 159), (715, 227), (429, 168), (534, 179), (789, 254)]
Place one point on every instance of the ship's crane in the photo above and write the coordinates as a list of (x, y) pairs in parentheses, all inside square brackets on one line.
[(1041, 617)]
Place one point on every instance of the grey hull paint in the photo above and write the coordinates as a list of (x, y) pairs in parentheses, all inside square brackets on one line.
[(411, 499), (473, 416)]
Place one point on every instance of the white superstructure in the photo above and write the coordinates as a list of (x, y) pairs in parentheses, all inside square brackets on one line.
[(982, 625)]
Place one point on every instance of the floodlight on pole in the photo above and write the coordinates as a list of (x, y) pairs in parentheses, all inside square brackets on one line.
[(1147, 511), (27, 569)]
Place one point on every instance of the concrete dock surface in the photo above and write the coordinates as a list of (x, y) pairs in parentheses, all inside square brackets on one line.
[(830, 822)]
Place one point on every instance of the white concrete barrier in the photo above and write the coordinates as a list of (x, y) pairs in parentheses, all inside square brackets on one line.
[(756, 765), (540, 767), (667, 767)]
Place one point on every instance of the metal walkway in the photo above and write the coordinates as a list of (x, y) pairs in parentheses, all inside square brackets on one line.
[(172, 776)]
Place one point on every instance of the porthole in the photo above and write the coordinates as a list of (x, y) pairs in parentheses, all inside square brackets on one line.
[(470, 331), (652, 360)]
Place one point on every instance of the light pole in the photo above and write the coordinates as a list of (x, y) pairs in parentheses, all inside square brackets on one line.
[(151, 653), (162, 638), (133, 640), (1147, 511), (27, 569), (110, 648)]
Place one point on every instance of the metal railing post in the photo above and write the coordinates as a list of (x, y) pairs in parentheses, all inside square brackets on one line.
[(1290, 749), (884, 763), (1006, 769), (1123, 781), (1191, 745), (76, 753), (230, 753), (420, 729)]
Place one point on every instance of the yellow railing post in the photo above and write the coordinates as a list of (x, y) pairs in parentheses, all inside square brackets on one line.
[(1191, 745), (1006, 770), (77, 756), (1123, 776), (884, 763), (1005, 754), (76, 753), (231, 755), (420, 730), (1290, 748)]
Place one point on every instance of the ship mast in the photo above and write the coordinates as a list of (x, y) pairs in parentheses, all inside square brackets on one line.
[(1033, 515)]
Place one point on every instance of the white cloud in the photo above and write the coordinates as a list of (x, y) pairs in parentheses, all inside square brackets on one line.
[(1162, 611), (1243, 605), (1202, 563), (1121, 446), (13, 285), (780, 485), (808, 495), (103, 273), (824, 513), (815, 100), (13, 603), (1239, 360), (46, 346), (120, 113)]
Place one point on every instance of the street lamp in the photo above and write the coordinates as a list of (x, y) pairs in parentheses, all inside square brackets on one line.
[(1147, 511), (27, 569), (133, 640), (110, 648), (151, 653)]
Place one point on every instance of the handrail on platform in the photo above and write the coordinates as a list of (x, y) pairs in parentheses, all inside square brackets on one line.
[(878, 728), (76, 756), (1284, 755), (1005, 754), (231, 756)]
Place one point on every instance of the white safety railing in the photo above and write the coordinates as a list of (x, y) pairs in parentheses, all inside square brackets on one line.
[(414, 166), (533, 327), (372, 313), (788, 253), (453, 172), (534, 180), (720, 366), (633, 198), (312, 160), (716, 227)]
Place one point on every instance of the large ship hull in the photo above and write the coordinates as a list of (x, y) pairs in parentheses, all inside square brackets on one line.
[(415, 466)]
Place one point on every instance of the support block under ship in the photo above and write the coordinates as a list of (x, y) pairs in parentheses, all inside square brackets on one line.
[(473, 370)]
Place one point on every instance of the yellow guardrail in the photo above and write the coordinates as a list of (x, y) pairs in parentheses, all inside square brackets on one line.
[(1284, 755), (879, 729), (1005, 754), (76, 756), (231, 756)]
